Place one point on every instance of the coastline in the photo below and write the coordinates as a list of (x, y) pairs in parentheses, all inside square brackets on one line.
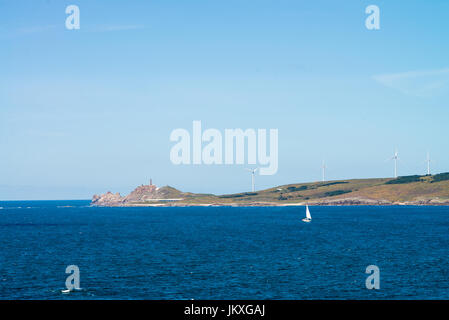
[(425, 190), (274, 204)]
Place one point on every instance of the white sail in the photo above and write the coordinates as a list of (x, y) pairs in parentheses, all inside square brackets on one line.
[(308, 216)]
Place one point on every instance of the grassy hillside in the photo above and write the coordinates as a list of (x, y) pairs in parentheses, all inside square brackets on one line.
[(401, 190)]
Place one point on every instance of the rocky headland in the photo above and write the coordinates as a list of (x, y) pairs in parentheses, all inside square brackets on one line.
[(410, 190), (142, 194)]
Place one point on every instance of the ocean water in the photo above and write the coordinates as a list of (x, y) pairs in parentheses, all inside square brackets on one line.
[(222, 253)]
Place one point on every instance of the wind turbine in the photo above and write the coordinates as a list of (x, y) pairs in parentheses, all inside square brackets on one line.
[(428, 163), (253, 171), (323, 171), (395, 158)]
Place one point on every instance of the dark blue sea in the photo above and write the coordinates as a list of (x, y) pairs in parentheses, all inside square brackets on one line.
[(222, 253)]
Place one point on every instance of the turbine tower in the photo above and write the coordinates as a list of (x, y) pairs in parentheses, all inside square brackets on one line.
[(323, 171), (395, 158), (428, 163), (253, 171)]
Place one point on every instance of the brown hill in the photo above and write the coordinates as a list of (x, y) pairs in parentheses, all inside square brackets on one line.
[(409, 190)]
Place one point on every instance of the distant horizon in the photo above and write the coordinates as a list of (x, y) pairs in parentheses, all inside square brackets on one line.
[(257, 190)]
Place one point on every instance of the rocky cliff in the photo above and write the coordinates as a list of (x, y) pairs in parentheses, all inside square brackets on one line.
[(409, 190), (142, 194), (107, 199)]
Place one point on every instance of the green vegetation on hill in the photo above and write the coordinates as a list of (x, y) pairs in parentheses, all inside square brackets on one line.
[(336, 193), (294, 189), (238, 195), (440, 177), (333, 183), (405, 179)]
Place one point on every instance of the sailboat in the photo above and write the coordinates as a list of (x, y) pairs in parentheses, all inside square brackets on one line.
[(308, 217)]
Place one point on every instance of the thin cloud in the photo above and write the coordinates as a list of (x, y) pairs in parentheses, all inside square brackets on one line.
[(35, 29), (426, 83), (23, 31), (46, 28), (118, 28)]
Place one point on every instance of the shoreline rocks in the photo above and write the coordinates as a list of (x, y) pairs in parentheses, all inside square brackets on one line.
[(141, 194)]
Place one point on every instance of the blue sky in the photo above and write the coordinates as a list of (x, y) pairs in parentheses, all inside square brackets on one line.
[(91, 110)]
